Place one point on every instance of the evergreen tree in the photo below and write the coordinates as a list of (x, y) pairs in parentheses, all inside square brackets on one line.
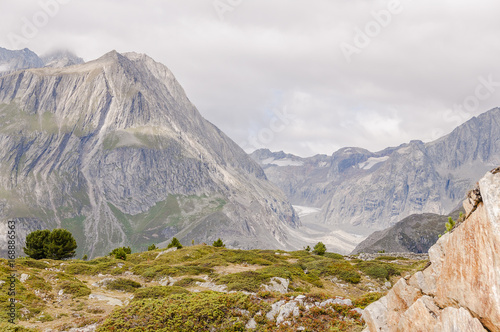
[(35, 243), (174, 243), (219, 244), (60, 244), (152, 247)]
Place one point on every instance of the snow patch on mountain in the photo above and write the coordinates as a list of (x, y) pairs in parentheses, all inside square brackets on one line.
[(372, 161)]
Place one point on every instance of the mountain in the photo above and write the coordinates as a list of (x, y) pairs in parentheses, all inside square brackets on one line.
[(114, 151), (415, 233), (459, 289), (15, 60), (61, 58), (374, 190)]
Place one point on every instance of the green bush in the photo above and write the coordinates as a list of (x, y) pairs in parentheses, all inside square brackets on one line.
[(345, 271), (85, 257), (319, 249), (56, 244), (127, 251), (378, 270), (75, 288), (218, 243), (352, 277), (155, 292), (363, 301), (123, 284), (120, 254), (174, 243), (152, 247)]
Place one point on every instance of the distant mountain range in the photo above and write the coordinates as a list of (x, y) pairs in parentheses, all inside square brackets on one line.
[(24, 59), (114, 151), (373, 190)]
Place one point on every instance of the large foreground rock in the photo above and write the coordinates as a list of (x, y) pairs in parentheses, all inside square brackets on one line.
[(460, 290)]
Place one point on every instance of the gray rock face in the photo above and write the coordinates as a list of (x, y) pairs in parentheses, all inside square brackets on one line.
[(114, 151), (415, 233), (375, 190), (16, 60)]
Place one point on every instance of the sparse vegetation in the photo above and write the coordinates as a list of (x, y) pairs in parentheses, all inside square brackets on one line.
[(319, 277)]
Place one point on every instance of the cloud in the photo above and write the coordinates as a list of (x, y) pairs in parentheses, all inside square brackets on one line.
[(265, 57)]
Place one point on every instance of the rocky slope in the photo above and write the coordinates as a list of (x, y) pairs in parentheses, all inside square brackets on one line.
[(114, 151), (415, 233), (376, 189), (459, 291)]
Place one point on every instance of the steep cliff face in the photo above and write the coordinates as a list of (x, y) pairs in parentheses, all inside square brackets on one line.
[(114, 151), (460, 290), (375, 190)]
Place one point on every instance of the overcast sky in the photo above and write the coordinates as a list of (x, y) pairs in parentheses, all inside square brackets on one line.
[(301, 76)]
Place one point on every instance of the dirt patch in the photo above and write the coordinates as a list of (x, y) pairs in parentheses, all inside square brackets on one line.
[(236, 268)]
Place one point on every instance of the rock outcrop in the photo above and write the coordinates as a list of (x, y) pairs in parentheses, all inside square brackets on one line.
[(460, 290)]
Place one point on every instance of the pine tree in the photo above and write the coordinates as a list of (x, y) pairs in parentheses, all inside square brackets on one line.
[(35, 242), (174, 243), (219, 244), (60, 244)]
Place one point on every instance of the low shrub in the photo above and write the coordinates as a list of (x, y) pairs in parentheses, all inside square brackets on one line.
[(75, 288), (366, 299), (205, 311), (122, 284), (378, 270), (187, 282), (155, 292)]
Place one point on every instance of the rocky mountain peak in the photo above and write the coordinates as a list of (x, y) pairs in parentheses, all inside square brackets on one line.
[(15, 60), (61, 58), (113, 149)]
